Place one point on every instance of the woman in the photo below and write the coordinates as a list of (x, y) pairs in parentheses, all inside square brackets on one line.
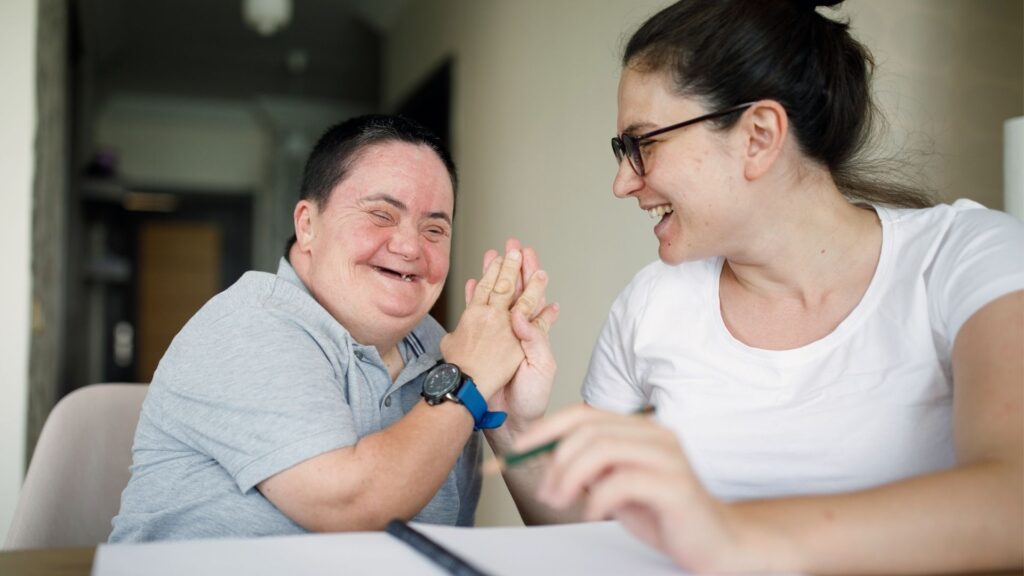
[(836, 364)]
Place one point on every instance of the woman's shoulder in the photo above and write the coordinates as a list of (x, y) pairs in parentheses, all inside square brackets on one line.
[(960, 216), (948, 230), (970, 217), (965, 255)]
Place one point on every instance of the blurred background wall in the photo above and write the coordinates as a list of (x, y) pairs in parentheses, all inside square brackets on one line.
[(185, 130)]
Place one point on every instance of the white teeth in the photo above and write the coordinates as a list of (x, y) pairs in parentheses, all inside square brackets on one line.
[(659, 211), (407, 277)]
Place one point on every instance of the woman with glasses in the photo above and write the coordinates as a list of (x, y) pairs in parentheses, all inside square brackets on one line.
[(836, 364)]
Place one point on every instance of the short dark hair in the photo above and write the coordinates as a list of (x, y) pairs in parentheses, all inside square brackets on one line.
[(728, 52), (342, 145)]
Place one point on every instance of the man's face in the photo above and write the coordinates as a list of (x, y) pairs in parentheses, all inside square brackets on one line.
[(379, 249)]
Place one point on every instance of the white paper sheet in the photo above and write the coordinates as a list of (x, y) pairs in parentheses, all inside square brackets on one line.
[(592, 549)]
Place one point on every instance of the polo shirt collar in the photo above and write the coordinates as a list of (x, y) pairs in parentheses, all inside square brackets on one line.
[(286, 272)]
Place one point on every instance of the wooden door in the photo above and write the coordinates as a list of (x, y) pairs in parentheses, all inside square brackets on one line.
[(179, 268)]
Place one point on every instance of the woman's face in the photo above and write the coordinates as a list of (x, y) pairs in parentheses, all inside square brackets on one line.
[(693, 175)]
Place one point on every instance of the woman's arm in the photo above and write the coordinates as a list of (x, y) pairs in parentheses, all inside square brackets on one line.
[(968, 518)]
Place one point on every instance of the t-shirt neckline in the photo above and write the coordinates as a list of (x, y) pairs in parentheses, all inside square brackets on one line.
[(848, 325)]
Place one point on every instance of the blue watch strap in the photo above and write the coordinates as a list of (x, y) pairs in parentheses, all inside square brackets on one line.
[(477, 406)]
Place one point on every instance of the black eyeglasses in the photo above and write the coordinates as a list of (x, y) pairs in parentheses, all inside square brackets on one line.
[(628, 146)]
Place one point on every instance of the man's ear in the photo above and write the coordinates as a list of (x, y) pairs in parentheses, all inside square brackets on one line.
[(765, 127), (305, 218)]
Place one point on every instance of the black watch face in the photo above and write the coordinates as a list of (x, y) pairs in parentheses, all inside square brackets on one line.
[(441, 380)]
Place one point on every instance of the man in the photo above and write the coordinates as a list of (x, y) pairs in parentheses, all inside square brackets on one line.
[(294, 402)]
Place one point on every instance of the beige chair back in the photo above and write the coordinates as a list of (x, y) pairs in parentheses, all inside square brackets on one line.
[(80, 467)]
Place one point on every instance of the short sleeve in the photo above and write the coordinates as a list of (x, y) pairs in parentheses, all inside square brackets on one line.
[(257, 394), (611, 382), (980, 259)]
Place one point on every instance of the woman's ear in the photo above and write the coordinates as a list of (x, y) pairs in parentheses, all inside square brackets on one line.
[(765, 126), (305, 224)]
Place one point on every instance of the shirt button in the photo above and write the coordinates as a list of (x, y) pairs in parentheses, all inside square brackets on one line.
[(387, 402)]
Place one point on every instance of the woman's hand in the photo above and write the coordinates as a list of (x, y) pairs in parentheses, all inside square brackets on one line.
[(629, 468)]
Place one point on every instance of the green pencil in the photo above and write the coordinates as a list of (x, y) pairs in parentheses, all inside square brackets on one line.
[(515, 458)]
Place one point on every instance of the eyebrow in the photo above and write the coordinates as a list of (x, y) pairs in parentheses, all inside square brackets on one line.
[(641, 127), (401, 206)]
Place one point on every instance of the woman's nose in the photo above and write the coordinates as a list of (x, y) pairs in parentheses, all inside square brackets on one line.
[(626, 180)]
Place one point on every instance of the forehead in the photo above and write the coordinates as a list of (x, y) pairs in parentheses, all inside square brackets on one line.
[(647, 101), (413, 173)]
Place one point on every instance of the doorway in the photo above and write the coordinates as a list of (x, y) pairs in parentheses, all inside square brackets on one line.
[(151, 260)]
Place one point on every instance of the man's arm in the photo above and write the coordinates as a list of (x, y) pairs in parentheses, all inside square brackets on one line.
[(395, 472), (389, 474)]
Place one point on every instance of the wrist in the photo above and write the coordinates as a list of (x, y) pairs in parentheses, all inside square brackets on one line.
[(501, 439), (485, 382), (516, 425), (447, 382), (760, 545)]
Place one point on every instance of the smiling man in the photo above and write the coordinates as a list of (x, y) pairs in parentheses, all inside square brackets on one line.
[(313, 399)]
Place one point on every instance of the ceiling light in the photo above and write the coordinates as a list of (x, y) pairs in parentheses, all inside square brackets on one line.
[(267, 16)]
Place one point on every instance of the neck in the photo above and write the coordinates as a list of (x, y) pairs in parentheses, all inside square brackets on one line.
[(812, 243), (393, 361), (385, 343)]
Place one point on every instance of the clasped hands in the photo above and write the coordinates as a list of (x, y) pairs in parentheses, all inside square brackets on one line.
[(501, 340)]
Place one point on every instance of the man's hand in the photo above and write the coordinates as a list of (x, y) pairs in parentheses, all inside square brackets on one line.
[(483, 345)]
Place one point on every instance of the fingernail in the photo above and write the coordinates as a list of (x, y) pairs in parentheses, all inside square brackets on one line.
[(514, 255), (542, 274)]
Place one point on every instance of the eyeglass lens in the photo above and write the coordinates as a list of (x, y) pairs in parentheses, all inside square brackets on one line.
[(626, 146)]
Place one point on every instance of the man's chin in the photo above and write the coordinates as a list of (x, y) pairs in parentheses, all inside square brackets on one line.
[(404, 315), (403, 310)]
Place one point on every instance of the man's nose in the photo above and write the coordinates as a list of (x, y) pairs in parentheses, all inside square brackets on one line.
[(405, 241), (626, 180)]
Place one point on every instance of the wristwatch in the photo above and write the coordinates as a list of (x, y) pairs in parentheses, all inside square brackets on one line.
[(447, 382)]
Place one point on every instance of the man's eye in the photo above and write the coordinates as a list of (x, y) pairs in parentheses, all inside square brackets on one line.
[(382, 216), (436, 232)]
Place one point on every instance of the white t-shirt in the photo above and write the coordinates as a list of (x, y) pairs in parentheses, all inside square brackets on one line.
[(868, 404)]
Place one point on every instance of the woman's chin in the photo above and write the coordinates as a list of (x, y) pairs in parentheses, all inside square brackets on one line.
[(670, 253), (674, 252)]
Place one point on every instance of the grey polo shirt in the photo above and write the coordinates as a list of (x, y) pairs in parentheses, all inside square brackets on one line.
[(260, 379)]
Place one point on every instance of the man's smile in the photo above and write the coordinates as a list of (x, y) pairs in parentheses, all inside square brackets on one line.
[(396, 275)]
